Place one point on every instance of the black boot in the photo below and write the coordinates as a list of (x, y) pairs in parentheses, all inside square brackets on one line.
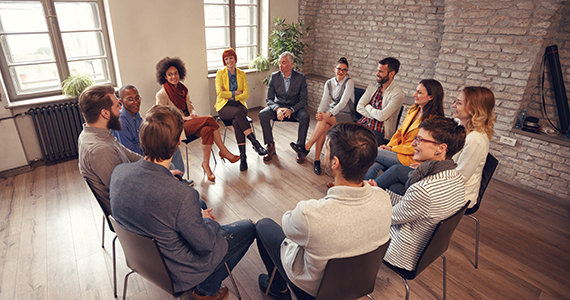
[(256, 145), (243, 158)]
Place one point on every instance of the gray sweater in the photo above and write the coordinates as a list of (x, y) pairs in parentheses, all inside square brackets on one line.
[(349, 221), (147, 200)]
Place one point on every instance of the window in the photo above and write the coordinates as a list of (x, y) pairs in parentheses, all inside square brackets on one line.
[(43, 42), (231, 23)]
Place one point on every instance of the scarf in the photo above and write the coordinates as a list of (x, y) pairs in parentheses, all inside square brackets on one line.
[(177, 94), (428, 168)]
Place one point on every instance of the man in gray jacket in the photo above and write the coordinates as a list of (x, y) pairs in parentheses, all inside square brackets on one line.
[(381, 103)]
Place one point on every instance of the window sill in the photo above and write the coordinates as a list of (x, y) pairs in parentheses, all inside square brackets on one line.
[(561, 140), (246, 71), (40, 101)]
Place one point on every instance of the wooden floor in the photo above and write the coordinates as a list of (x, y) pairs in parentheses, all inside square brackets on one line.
[(50, 234)]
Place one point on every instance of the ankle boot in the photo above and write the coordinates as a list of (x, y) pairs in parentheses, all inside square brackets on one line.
[(256, 145), (243, 158)]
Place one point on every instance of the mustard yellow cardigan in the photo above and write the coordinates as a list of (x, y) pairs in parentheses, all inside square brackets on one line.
[(402, 139), (223, 80)]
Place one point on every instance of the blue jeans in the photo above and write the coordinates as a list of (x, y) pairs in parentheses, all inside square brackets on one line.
[(269, 238), (240, 236), (394, 178), (177, 161), (384, 160)]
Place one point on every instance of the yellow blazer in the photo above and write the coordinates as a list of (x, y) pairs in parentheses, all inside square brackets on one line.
[(223, 80), (401, 141)]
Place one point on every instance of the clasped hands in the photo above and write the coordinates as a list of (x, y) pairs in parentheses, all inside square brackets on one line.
[(283, 113)]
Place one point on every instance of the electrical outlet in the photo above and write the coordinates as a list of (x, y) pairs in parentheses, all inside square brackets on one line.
[(508, 141)]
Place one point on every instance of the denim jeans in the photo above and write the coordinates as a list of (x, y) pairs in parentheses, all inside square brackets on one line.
[(394, 178), (177, 161), (240, 236), (384, 160), (269, 238)]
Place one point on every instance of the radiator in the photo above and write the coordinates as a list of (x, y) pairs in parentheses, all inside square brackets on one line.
[(57, 127)]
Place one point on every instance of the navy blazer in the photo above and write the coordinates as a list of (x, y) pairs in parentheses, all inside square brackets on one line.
[(297, 96)]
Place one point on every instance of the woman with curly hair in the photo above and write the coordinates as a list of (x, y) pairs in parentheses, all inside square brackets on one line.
[(169, 73), (232, 91)]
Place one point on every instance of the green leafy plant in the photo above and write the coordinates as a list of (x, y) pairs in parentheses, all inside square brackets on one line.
[(259, 63), (288, 37), (74, 84)]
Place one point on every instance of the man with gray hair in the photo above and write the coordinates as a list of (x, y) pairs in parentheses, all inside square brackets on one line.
[(286, 100)]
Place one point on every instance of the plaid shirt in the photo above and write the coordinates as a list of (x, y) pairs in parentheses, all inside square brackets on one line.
[(376, 102)]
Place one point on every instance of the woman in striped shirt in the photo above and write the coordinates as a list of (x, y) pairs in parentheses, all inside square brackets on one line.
[(434, 191)]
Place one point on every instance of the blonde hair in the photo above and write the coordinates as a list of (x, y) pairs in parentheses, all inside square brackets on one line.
[(480, 101)]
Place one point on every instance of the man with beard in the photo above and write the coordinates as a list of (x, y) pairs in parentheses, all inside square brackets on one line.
[(381, 103), (352, 219), (99, 151)]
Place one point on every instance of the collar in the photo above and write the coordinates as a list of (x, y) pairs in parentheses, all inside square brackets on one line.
[(349, 193)]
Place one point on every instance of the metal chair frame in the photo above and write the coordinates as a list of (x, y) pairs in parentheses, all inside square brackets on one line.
[(188, 140), (229, 123)]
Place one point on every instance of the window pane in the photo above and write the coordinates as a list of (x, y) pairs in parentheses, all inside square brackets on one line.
[(77, 16), (215, 59), (246, 36), (246, 15), (217, 37), (25, 48), (246, 1), (217, 15), (215, 1), (22, 17), (83, 44), (245, 54), (97, 68), (35, 78)]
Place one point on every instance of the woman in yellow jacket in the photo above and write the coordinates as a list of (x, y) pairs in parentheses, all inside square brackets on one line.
[(232, 91), (428, 102)]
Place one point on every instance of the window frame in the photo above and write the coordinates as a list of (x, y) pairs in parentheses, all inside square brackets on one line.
[(59, 55), (231, 4)]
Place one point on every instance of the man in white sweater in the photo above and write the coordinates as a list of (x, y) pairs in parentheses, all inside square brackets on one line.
[(352, 219)]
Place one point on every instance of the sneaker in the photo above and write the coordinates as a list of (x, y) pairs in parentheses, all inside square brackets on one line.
[(263, 281)]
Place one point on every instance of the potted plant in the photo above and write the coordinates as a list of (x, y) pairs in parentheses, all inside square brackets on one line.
[(261, 64), (288, 37), (74, 84)]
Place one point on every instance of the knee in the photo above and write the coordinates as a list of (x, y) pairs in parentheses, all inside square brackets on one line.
[(263, 223), (265, 115)]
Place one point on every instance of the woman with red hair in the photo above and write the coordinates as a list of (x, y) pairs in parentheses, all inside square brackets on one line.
[(232, 91)]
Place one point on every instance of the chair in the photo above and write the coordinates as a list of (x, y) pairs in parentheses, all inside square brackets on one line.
[(435, 247), (488, 171), (105, 205), (144, 257), (358, 92), (188, 140), (348, 278), (230, 123)]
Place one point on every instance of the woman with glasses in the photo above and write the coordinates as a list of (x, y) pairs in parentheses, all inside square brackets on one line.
[(232, 91), (428, 103), (337, 105), (434, 191), (169, 73)]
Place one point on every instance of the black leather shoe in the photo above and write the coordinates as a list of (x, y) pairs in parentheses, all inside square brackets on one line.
[(263, 281), (270, 152), (317, 167), (243, 162), (301, 152), (256, 145)]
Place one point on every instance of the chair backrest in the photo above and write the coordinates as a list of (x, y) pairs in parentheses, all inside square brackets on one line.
[(104, 203), (352, 277), (143, 257), (439, 240), (488, 171), (358, 92)]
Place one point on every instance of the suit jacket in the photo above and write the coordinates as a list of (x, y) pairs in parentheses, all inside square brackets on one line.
[(295, 98), (223, 80)]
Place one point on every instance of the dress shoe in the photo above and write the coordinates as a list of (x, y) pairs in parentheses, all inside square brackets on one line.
[(211, 177), (189, 182), (317, 167), (301, 152), (222, 294), (263, 281), (232, 159), (270, 148)]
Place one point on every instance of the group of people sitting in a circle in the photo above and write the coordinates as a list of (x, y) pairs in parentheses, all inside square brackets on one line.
[(389, 183)]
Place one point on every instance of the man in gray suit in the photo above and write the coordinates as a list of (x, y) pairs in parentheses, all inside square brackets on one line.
[(286, 100)]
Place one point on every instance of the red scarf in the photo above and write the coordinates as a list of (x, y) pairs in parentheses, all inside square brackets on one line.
[(177, 94)]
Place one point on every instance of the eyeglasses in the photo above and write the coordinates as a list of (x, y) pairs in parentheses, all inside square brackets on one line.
[(342, 70), (419, 140), (131, 100)]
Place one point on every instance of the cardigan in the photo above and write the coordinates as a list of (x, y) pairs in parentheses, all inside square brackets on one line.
[(402, 139), (348, 221), (222, 80), (163, 99), (416, 214), (470, 163), (392, 100), (341, 104)]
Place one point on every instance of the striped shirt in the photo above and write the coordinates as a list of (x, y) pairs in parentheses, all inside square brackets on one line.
[(416, 214)]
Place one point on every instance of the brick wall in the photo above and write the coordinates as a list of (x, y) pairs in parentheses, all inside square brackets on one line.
[(497, 44)]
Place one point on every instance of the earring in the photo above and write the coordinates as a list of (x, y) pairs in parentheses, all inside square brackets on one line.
[(437, 153)]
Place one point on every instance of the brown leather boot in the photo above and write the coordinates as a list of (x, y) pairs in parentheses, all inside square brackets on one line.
[(222, 294), (270, 148)]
